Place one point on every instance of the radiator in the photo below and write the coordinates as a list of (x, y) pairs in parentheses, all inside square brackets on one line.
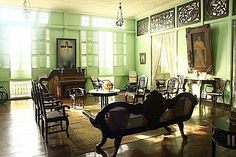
[(20, 89)]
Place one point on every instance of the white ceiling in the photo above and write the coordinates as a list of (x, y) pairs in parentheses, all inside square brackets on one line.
[(131, 8)]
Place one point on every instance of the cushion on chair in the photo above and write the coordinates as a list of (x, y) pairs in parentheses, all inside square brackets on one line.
[(54, 114)]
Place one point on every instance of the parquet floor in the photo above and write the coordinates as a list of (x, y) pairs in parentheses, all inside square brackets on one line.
[(20, 136)]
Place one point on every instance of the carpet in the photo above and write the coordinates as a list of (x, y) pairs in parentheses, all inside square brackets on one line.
[(84, 137)]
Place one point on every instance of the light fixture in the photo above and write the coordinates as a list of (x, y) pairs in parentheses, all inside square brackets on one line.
[(27, 8), (119, 18)]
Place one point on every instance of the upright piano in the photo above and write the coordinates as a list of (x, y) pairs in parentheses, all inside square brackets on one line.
[(62, 79)]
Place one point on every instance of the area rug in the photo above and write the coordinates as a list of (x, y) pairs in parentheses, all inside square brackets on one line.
[(84, 137)]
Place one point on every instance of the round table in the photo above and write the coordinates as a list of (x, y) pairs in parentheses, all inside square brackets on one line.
[(223, 134), (104, 94)]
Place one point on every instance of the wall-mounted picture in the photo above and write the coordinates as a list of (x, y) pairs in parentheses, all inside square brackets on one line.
[(142, 58), (199, 49), (66, 53)]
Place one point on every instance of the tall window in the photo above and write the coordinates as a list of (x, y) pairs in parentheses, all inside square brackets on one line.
[(20, 52), (105, 53)]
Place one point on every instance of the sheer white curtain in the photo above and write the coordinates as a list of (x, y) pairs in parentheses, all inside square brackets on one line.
[(163, 43), (169, 46), (156, 55)]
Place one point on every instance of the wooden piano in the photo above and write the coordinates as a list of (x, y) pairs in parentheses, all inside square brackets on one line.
[(63, 79)]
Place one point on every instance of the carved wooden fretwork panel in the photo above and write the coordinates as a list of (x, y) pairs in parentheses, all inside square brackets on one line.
[(163, 20), (189, 13), (142, 26), (215, 9)]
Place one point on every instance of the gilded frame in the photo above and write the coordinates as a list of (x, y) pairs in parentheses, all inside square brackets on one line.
[(199, 49)]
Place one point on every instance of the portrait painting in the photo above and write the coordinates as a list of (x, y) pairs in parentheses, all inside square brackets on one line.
[(142, 58), (199, 49), (66, 53)]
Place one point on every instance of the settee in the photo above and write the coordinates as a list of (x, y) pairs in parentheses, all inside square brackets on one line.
[(119, 119)]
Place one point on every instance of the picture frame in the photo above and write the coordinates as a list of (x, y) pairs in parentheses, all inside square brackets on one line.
[(142, 58), (66, 53), (199, 49)]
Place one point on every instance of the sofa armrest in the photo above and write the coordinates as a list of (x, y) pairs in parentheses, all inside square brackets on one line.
[(90, 116)]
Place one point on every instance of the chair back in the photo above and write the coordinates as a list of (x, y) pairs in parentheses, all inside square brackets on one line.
[(133, 77), (172, 85), (40, 100), (181, 81), (142, 84), (95, 81), (220, 85)]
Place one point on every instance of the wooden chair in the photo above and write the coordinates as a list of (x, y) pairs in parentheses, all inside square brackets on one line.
[(137, 91), (181, 82), (49, 100), (216, 90), (77, 96), (53, 117), (95, 82), (172, 88)]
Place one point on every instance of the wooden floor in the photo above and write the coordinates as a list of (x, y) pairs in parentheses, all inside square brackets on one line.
[(20, 136)]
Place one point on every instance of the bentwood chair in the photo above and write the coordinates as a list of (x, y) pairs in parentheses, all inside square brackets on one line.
[(216, 90), (137, 91), (172, 88), (181, 82)]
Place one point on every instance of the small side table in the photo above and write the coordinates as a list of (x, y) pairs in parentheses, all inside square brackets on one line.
[(104, 95), (223, 134)]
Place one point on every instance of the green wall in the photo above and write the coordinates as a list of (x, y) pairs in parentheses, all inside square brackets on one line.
[(62, 25), (221, 30)]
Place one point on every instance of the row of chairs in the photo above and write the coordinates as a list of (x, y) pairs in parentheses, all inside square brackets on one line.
[(50, 113), (174, 85)]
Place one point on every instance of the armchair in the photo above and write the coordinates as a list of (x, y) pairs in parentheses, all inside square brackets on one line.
[(133, 78), (98, 84), (138, 90), (95, 82), (52, 118), (172, 88), (216, 90)]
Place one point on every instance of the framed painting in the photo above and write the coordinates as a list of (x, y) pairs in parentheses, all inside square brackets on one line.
[(66, 53), (199, 49), (142, 58)]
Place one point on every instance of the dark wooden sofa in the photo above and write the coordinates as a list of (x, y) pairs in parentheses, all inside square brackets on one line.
[(119, 119)]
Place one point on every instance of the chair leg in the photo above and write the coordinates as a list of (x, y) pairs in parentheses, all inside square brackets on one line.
[(223, 104), (36, 115), (61, 124), (205, 100), (168, 129), (117, 142), (181, 129), (126, 99), (67, 127), (104, 140), (46, 132), (134, 99), (42, 123), (214, 100)]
